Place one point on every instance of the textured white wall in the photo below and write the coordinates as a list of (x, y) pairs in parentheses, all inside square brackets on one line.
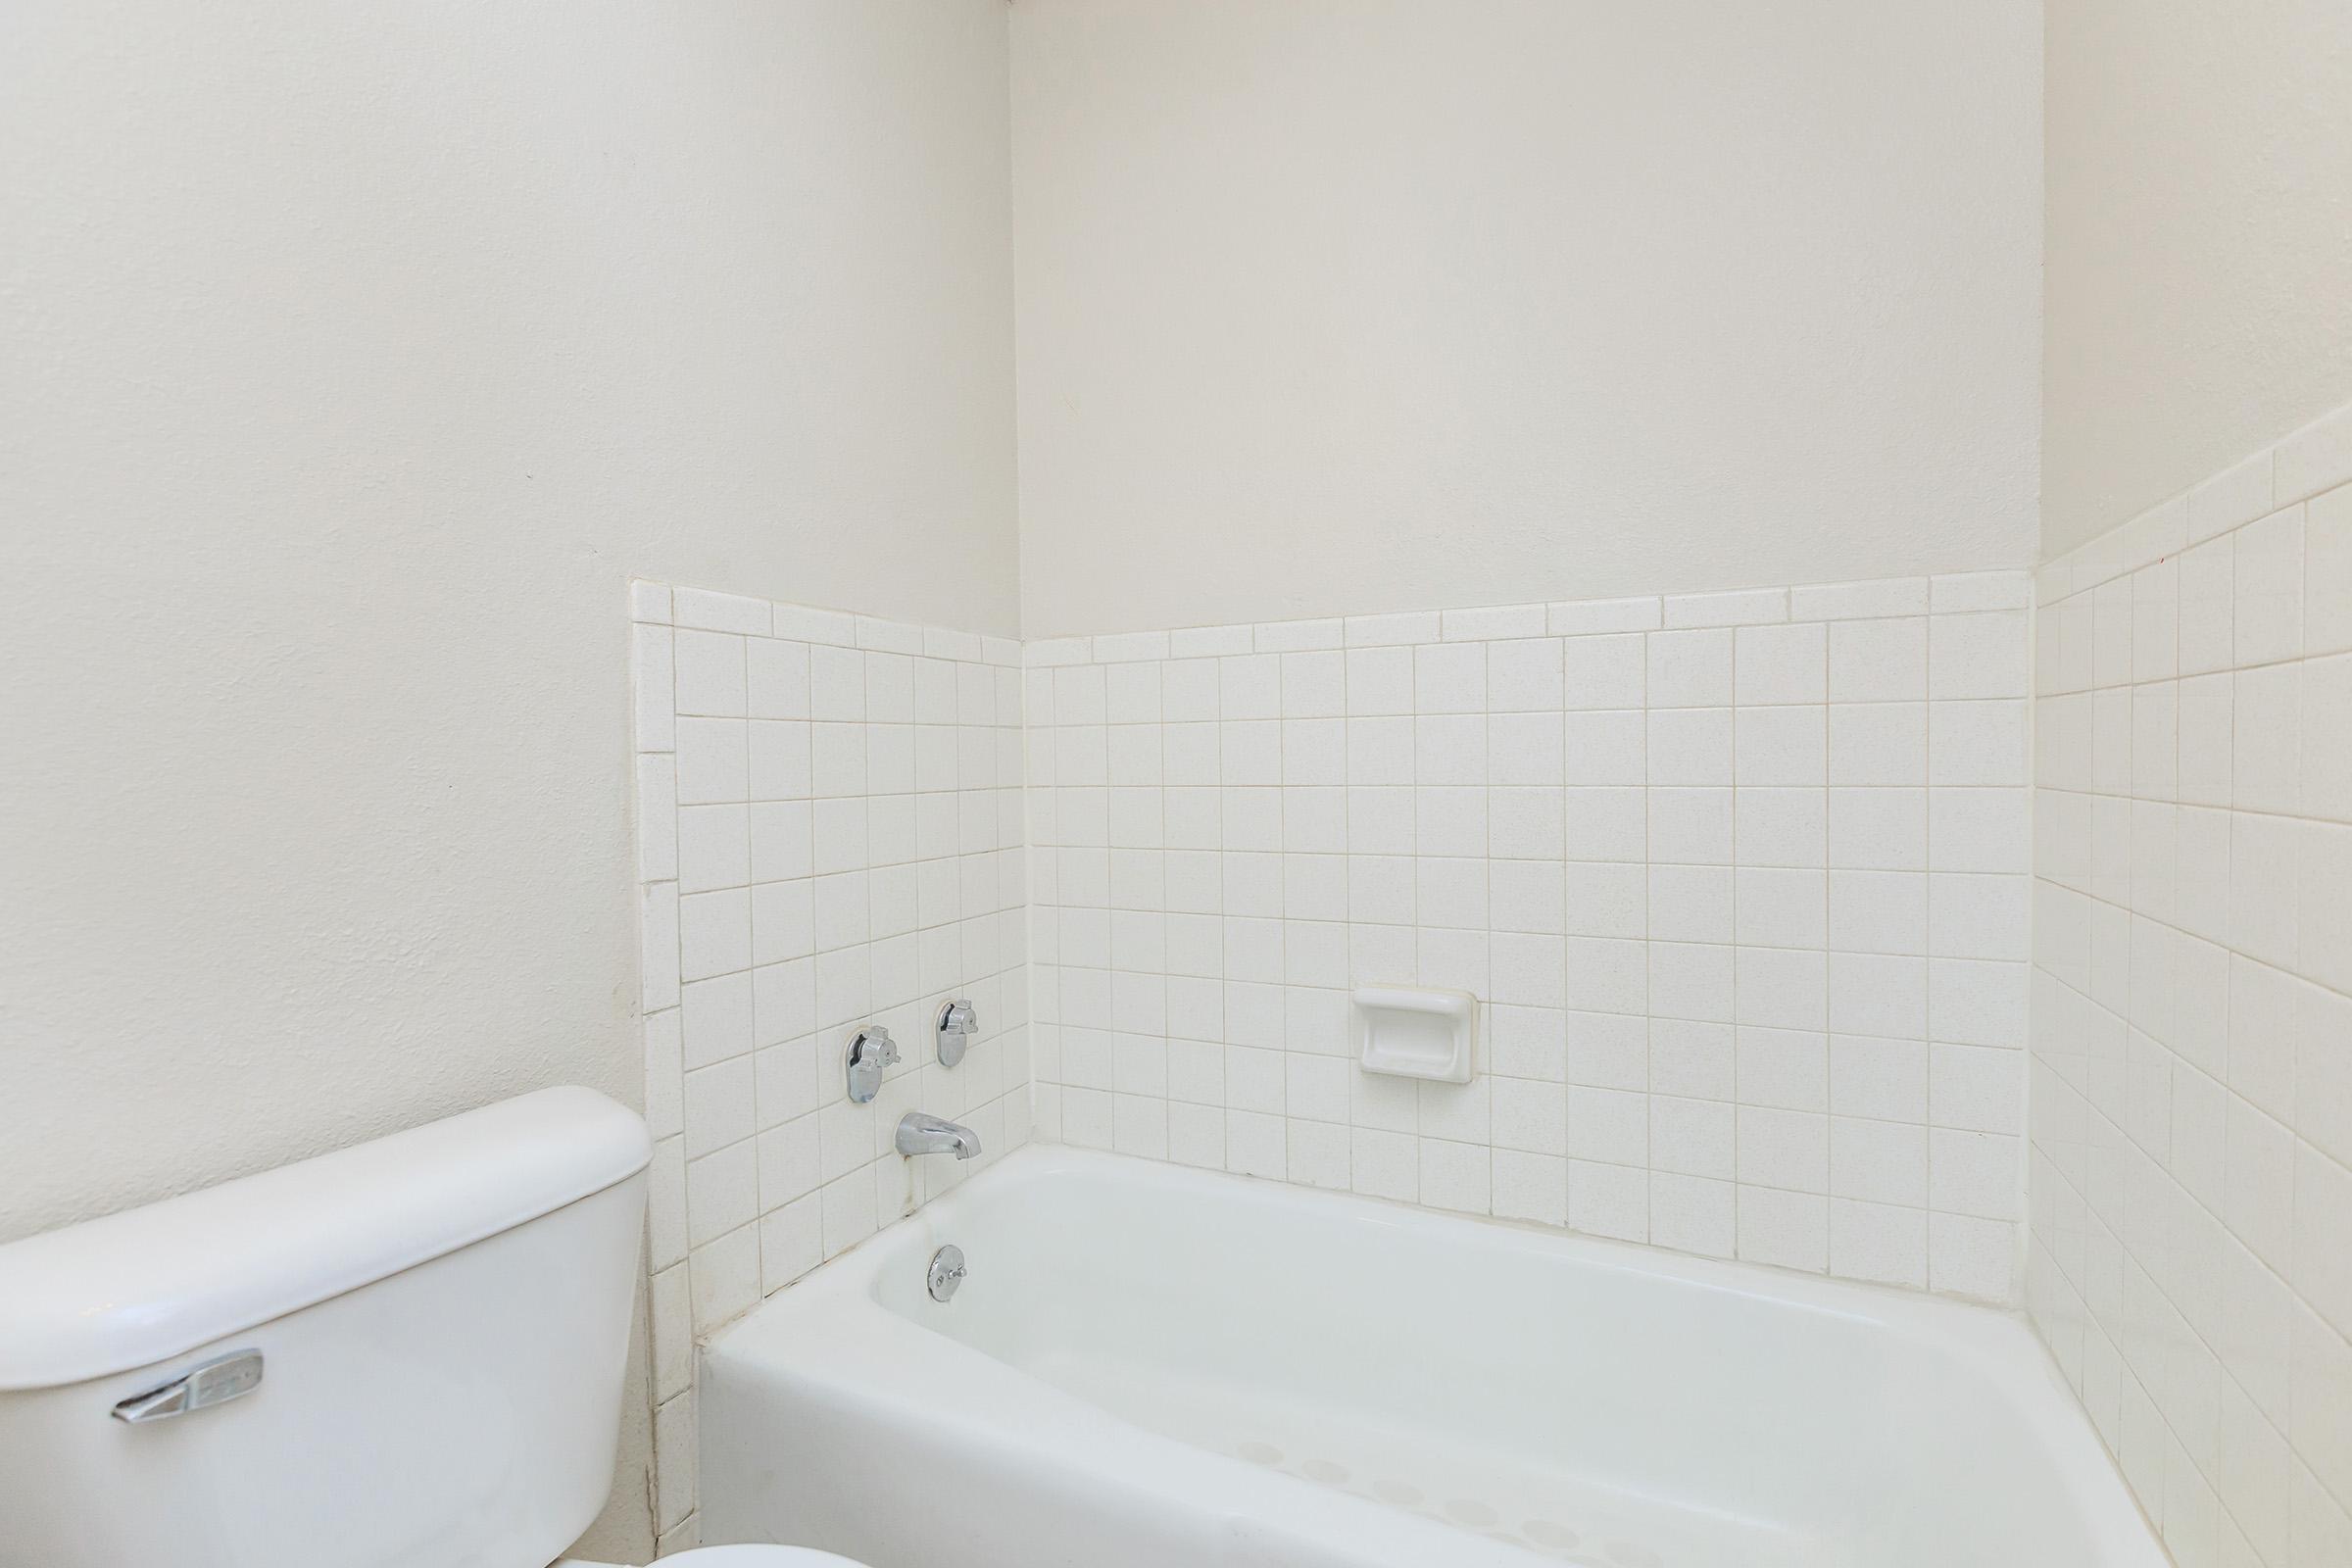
[(2199, 264), (351, 358), (1344, 306)]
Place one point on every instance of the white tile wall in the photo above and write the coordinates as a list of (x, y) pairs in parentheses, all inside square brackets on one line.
[(1741, 879), (829, 834), (2191, 1260)]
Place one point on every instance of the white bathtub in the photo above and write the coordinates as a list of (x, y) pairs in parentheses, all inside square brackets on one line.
[(1152, 1367)]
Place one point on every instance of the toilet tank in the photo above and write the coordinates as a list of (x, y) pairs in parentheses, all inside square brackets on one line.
[(405, 1354)]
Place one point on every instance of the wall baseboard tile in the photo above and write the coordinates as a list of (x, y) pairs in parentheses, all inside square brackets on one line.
[(2191, 1055)]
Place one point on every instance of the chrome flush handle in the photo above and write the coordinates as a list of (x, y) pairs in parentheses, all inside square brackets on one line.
[(214, 1382)]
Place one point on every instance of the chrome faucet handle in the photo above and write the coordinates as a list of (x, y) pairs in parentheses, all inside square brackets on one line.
[(957, 1023), (873, 1051)]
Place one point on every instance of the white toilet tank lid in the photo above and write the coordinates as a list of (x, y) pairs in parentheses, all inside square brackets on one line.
[(147, 1284)]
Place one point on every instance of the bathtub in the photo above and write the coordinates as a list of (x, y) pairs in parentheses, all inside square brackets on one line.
[(1155, 1368)]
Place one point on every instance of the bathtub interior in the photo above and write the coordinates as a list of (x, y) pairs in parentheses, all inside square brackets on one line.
[(1553, 1395)]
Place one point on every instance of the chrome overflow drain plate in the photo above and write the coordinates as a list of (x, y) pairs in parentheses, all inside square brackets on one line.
[(946, 1272)]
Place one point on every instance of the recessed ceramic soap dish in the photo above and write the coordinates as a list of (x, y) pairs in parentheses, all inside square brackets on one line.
[(1416, 1033)]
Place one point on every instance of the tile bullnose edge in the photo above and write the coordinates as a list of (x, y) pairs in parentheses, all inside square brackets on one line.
[(649, 601)]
